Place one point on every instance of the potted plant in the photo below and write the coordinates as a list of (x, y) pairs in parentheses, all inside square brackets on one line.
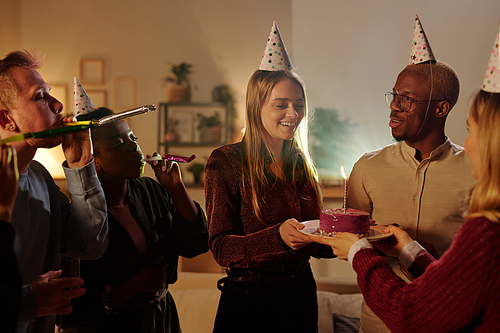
[(178, 87), (172, 135), (223, 94), (210, 128), (197, 170), (330, 141)]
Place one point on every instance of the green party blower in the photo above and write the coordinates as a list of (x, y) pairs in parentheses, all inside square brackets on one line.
[(79, 126)]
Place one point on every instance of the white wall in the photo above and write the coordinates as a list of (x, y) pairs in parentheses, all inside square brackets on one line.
[(10, 26), (350, 53)]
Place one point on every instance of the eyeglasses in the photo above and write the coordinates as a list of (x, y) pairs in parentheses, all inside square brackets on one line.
[(404, 102)]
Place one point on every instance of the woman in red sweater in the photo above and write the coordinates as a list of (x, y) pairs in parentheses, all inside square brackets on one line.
[(460, 292)]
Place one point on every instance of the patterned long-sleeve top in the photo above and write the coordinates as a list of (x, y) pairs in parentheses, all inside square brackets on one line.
[(237, 237)]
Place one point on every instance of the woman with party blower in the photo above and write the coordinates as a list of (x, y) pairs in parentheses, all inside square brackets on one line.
[(151, 223)]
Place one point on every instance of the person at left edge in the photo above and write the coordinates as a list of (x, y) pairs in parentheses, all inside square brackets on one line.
[(10, 279), (44, 220)]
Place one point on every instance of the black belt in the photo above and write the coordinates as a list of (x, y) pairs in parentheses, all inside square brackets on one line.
[(253, 277)]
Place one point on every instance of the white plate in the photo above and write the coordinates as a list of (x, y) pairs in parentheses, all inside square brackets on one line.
[(313, 225)]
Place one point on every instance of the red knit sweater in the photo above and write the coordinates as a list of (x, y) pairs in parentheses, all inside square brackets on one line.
[(460, 292)]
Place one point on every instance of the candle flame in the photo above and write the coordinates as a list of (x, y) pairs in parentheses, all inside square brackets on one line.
[(343, 172)]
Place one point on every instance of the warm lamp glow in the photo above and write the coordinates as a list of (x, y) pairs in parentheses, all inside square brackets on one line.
[(52, 159)]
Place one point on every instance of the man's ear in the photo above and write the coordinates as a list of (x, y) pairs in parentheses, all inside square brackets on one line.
[(442, 109), (6, 121)]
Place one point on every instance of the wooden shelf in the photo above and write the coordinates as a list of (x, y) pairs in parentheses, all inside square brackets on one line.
[(333, 192)]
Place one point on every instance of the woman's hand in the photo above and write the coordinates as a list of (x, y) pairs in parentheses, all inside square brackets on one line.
[(169, 176), (392, 246), (151, 276), (167, 172), (341, 243), (289, 232)]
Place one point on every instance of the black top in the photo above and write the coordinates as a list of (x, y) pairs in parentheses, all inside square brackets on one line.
[(10, 279), (167, 233)]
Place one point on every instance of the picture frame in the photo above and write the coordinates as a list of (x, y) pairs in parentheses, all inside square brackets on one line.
[(125, 93), (98, 97), (198, 124), (91, 71)]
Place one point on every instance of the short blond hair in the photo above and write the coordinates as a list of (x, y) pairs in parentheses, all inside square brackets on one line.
[(8, 88), (445, 82)]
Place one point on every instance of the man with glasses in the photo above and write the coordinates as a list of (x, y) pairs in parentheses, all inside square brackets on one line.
[(421, 181)]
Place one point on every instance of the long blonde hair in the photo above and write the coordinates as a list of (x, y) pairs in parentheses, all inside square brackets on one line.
[(259, 89), (485, 197)]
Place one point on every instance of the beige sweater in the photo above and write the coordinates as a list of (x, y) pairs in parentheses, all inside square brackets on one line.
[(425, 198)]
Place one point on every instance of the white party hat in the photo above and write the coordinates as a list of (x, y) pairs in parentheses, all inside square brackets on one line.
[(83, 103), (491, 82), (275, 56), (420, 47)]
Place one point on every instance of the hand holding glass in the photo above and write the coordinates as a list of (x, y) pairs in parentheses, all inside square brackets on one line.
[(69, 264)]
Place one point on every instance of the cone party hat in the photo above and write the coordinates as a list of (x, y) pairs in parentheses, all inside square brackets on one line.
[(275, 56), (83, 103), (491, 82), (420, 47)]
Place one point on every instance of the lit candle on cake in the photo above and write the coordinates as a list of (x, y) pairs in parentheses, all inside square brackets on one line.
[(345, 185)]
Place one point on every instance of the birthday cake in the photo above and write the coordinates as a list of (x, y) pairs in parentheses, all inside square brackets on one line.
[(354, 221)]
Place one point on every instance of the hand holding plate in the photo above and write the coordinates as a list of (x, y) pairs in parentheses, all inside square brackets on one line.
[(289, 232), (392, 246)]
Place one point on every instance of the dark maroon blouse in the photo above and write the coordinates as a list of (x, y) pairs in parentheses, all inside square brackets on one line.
[(236, 237)]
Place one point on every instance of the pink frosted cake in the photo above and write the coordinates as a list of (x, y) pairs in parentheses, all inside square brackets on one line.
[(354, 221)]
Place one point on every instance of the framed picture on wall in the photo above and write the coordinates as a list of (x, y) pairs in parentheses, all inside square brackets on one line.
[(92, 71), (98, 97)]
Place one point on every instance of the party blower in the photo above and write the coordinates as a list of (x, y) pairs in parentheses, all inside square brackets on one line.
[(79, 126), (168, 157)]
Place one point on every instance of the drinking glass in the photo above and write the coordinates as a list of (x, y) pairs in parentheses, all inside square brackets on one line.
[(69, 264)]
